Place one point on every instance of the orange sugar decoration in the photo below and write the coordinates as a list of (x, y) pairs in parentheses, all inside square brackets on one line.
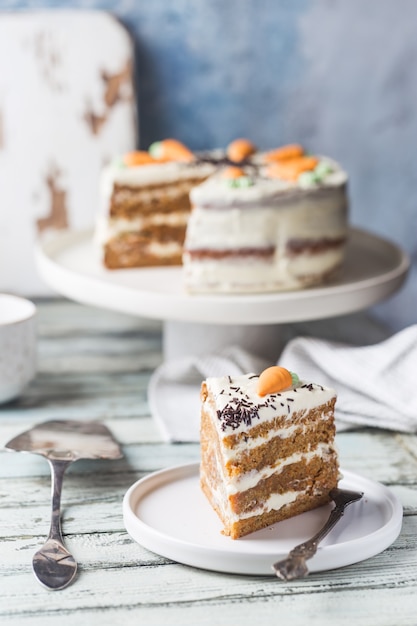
[(232, 172), (291, 169), (239, 150), (137, 157), (290, 151), (274, 379), (174, 150)]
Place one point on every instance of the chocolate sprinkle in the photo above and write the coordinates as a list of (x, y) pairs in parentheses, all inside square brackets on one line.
[(240, 412), (309, 387)]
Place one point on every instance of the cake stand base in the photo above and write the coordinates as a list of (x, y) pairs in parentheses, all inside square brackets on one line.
[(184, 339)]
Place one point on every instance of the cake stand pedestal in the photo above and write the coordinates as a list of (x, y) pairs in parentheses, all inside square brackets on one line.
[(374, 270), (181, 339)]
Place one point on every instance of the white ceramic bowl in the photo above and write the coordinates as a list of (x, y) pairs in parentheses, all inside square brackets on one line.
[(17, 345)]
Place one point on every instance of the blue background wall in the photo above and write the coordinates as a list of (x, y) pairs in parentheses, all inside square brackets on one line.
[(339, 76)]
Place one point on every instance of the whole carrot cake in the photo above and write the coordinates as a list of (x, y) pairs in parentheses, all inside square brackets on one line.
[(239, 220), (267, 448)]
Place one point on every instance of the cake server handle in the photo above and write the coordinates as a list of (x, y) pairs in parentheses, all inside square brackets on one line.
[(53, 565), (294, 565)]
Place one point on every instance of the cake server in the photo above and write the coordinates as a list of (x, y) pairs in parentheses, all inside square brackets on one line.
[(62, 442), (294, 565)]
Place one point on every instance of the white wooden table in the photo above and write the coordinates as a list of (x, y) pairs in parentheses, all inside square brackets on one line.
[(96, 365)]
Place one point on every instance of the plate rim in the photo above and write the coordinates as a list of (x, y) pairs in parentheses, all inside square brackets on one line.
[(207, 558)]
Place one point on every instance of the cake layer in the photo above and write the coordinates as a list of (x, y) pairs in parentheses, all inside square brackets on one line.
[(294, 503), (130, 202), (136, 250), (274, 447), (313, 470)]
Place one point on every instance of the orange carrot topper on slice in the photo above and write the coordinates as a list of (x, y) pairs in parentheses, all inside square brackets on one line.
[(275, 379), (239, 150), (171, 150)]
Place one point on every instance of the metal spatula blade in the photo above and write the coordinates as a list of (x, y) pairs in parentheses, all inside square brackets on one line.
[(62, 442), (68, 439)]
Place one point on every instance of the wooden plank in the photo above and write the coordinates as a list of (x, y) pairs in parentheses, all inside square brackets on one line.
[(159, 584)]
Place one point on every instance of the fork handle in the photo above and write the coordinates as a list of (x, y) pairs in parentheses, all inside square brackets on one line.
[(309, 548), (294, 566)]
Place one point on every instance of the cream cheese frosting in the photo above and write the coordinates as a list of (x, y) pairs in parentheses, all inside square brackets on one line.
[(239, 407)]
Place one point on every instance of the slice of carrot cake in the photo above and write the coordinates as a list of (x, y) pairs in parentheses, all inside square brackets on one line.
[(267, 448)]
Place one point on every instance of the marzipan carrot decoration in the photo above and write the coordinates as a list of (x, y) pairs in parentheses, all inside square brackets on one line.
[(291, 151), (274, 379), (239, 150), (137, 157), (171, 150), (291, 169)]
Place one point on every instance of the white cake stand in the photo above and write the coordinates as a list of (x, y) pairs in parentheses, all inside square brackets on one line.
[(69, 263)]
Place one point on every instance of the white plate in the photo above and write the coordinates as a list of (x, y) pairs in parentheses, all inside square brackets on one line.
[(68, 263), (167, 513)]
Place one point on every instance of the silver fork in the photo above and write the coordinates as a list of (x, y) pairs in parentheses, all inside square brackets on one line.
[(294, 565)]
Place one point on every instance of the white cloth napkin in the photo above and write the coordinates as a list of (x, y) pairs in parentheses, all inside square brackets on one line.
[(376, 385)]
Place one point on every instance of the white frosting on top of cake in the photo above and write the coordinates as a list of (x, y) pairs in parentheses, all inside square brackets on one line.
[(154, 174), (218, 190), (239, 407)]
